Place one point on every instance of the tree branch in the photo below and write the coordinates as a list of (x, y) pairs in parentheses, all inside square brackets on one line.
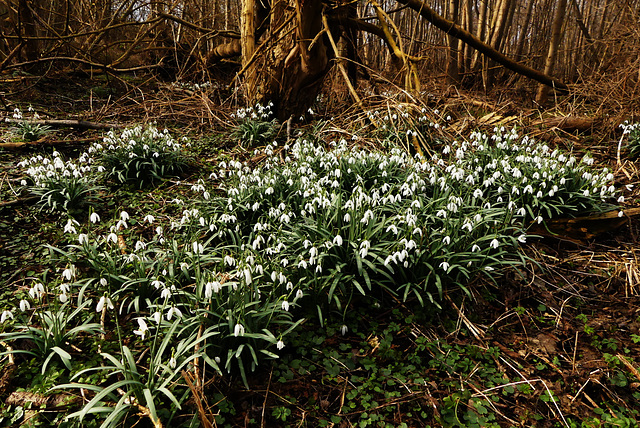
[(454, 30)]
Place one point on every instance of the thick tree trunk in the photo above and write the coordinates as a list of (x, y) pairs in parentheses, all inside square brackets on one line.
[(289, 64), (453, 73)]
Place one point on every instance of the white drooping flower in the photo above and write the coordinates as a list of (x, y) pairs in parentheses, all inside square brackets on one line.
[(280, 345), (104, 301), (5, 316), (142, 328), (24, 305), (173, 310), (238, 330), (94, 217)]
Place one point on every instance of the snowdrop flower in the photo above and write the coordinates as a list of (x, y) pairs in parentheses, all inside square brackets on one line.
[(475, 248), (337, 240), (69, 227), (280, 345), (446, 240), (238, 330), (197, 248), (539, 219), (445, 266), (83, 238), (5, 316), (488, 268), (68, 273), (94, 217), (150, 219), (124, 216), (166, 293), (621, 199), (157, 317), (142, 328), (621, 214), (157, 283), (364, 249), (173, 310), (37, 291), (172, 362), (285, 305), (494, 243), (104, 301), (299, 295), (24, 305), (103, 282), (112, 237), (344, 329), (522, 238)]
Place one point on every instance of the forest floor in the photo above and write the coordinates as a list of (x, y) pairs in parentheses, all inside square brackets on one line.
[(556, 343)]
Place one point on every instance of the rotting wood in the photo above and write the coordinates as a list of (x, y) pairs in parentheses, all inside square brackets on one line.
[(45, 142), (579, 229), (20, 201), (73, 123), (570, 123)]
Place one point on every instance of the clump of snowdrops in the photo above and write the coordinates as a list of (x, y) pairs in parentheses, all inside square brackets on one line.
[(140, 156), (306, 234), (632, 133), (62, 185), (28, 128), (347, 222), (255, 125)]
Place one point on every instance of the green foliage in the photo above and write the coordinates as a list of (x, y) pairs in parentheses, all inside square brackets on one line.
[(140, 156)]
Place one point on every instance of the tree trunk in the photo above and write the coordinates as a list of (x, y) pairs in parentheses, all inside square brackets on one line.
[(556, 36), (289, 65), (453, 74), (27, 26)]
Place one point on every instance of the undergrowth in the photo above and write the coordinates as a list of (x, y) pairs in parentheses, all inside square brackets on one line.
[(266, 262)]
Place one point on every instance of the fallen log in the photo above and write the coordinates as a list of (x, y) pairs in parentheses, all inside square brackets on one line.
[(45, 142), (581, 229), (73, 123), (570, 123)]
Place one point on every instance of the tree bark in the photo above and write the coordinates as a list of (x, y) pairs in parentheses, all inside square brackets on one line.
[(289, 66), (453, 72), (556, 35)]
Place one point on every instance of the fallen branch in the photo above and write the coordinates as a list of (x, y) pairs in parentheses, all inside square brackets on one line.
[(66, 122), (454, 30)]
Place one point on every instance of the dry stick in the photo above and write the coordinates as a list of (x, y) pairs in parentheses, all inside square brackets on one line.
[(211, 32), (353, 92), (266, 394), (82, 61)]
